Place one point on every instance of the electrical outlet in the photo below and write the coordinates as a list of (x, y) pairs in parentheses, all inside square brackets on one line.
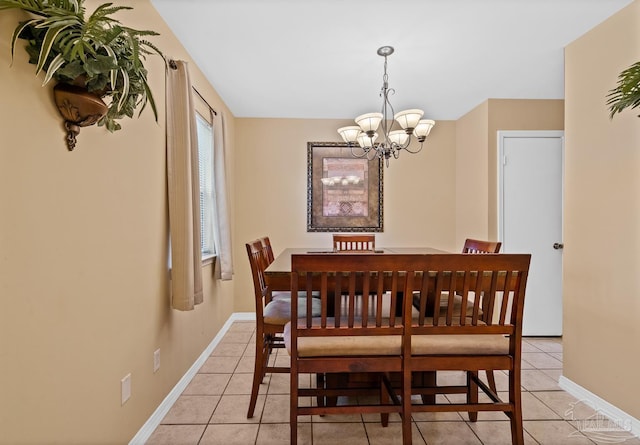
[(125, 388), (156, 360)]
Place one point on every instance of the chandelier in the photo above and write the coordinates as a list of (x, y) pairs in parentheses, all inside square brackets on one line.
[(362, 138)]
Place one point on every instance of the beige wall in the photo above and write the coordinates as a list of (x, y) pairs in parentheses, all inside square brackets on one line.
[(516, 114), (602, 217), (271, 190), (476, 157), (83, 262), (472, 200)]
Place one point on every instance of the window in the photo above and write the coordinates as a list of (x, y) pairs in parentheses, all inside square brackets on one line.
[(205, 161)]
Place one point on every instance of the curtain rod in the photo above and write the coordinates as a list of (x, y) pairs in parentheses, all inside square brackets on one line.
[(205, 101), (173, 66)]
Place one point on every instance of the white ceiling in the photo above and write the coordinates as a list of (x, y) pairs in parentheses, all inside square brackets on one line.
[(317, 58)]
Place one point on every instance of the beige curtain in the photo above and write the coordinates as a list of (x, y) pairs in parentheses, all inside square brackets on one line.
[(222, 228), (184, 190)]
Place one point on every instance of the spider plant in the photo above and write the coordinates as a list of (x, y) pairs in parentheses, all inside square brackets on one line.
[(627, 93), (95, 51)]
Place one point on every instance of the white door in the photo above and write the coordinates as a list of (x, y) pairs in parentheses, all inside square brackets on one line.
[(530, 220)]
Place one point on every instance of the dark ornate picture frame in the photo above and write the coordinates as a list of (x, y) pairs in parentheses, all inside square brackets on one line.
[(344, 193)]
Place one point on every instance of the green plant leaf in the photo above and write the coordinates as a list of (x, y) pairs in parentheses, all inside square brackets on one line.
[(32, 6), (105, 10), (18, 31), (627, 92), (47, 45), (74, 4), (99, 65), (125, 89), (70, 71), (99, 84), (145, 44), (55, 64), (152, 102), (54, 22)]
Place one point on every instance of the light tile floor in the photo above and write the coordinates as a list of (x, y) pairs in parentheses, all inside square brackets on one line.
[(212, 409)]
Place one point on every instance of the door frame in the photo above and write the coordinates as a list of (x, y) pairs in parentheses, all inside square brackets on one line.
[(504, 134), (543, 328)]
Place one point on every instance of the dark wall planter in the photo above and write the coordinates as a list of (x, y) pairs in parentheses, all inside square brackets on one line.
[(78, 107)]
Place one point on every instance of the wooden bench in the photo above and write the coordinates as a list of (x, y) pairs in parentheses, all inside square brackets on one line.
[(363, 335)]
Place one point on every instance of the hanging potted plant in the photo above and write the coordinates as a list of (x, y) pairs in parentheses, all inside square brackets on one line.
[(96, 61)]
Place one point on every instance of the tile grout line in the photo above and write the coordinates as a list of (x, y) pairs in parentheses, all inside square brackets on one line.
[(414, 422)]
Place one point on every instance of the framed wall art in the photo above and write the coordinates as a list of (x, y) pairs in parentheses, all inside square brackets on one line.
[(344, 193)]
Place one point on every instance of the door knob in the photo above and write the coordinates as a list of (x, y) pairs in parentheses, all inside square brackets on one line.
[(558, 246)]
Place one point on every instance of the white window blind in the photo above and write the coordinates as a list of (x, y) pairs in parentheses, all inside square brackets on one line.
[(205, 161)]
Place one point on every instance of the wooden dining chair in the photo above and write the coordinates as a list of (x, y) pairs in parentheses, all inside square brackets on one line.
[(462, 340), (267, 252), (480, 246), (472, 246), (348, 336), (271, 316), (354, 242)]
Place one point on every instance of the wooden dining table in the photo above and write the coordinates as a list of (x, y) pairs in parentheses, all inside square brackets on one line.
[(278, 276), (278, 273)]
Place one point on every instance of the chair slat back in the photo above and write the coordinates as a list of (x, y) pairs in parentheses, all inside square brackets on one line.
[(490, 279), (340, 282), (481, 246), (363, 242), (268, 250), (258, 261)]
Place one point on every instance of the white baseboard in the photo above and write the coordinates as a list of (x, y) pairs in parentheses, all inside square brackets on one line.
[(152, 423), (620, 418)]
